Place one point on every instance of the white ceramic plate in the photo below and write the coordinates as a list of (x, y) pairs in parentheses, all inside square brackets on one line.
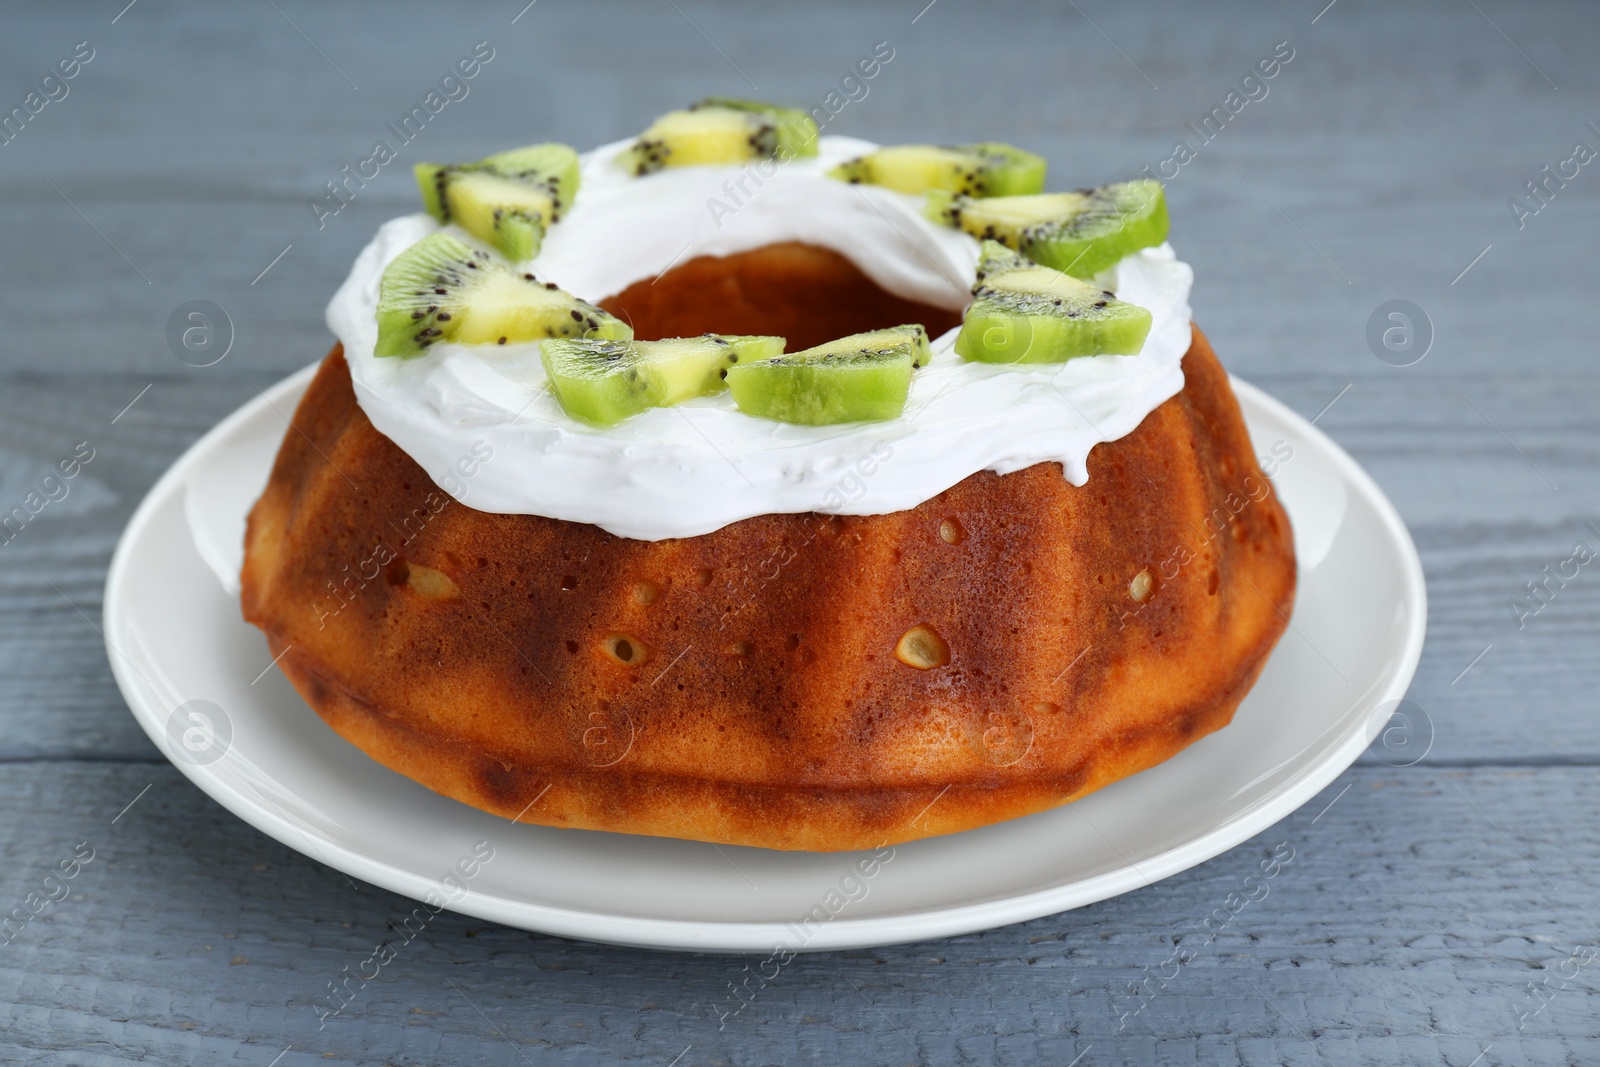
[(175, 637)]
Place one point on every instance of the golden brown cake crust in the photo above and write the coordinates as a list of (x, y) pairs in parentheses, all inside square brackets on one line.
[(743, 687)]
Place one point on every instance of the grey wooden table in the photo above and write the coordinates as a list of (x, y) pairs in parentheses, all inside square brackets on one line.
[(1442, 912)]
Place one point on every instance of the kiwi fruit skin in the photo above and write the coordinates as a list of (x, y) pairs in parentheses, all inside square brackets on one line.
[(441, 289), (508, 200), (1080, 233), (983, 169), (601, 381), (1026, 313), (721, 130), (864, 377)]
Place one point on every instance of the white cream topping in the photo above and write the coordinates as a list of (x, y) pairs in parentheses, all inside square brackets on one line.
[(481, 422)]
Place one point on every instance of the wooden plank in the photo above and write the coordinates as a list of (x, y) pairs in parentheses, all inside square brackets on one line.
[(1398, 926), (1400, 208)]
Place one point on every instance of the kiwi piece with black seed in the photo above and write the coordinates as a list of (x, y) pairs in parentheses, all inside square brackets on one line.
[(720, 130), (602, 382), (1080, 233), (1026, 313), (441, 289), (980, 170), (861, 378), (508, 200)]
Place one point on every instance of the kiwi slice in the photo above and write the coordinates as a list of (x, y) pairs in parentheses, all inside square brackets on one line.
[(604, 381), (442, 289), (508, 199), (1081, 233), (721, 130), (984, 169), (861, 378), (1025, 313)]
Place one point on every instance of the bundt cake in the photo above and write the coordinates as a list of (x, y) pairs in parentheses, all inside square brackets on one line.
[(835, 677)]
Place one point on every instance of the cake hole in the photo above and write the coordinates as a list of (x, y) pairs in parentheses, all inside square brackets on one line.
[(645, 593), (803, 292), (625, 649), (793, 642), (1212, 583), (703, 578), (572, 646), (431, 584), (922, 647), (569, 582), (952, 532), (743, 648), (1142, 586), (396, 572)]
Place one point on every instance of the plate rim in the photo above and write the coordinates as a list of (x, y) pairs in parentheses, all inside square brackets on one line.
[(697, 935)]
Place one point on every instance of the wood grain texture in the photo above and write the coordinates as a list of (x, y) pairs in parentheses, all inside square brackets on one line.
[(1418, 908), (1403, 929)]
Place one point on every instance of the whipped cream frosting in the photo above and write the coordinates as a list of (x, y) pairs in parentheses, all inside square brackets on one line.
[(483, 424)]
